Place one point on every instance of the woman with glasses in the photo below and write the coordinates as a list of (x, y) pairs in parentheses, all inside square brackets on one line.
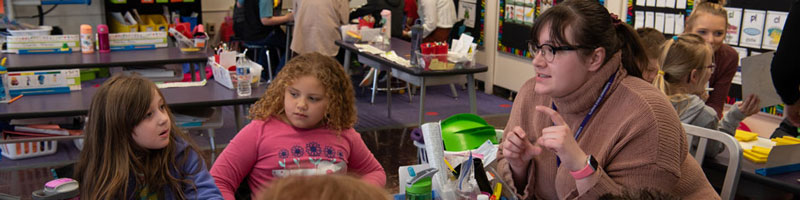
[(587, 124), (685, 69)]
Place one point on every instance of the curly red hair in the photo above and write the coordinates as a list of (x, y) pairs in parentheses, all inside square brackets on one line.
[(341, 111)]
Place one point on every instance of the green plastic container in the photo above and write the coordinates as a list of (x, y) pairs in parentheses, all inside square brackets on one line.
[(465, 131), (421, 190), (89, 74)]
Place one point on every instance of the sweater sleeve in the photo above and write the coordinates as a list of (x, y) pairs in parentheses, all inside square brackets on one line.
[(237, 160), (521, 104), (646, 157), (721, 79), (362, 162), (204, 187), (731, 121), (784, 64)]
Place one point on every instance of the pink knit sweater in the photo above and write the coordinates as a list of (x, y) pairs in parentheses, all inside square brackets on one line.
[(635, 135)]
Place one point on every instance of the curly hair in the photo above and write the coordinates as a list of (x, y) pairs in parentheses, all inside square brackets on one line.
[(341, 110)]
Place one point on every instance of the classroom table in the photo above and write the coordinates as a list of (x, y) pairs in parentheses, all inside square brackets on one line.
[(414, 75), (77, 102), (145, 57), (784, 182)]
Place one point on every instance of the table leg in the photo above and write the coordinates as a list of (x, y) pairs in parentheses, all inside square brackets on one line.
[(191, 71), (374, 85), (453, 90), (347, 55), (237, 112), (389, 92), (213, 144), (422, 101), (202, 68), (471, 90)]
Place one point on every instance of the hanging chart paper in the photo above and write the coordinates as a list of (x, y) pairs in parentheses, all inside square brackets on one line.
[(679, 19), (660, 22), (773, 29), (734, 25), (669, 24), (639, 19), (467, 12), (649, 19), (680, 4), (752, 28)]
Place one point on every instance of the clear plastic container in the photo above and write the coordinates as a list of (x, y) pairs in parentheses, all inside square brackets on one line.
[(443, 62)]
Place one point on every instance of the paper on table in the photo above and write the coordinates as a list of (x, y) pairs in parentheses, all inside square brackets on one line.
[(669, 24), (639, 19), (660, 22), (489, 152), (649, 19), (369, 49), (735, 24), (392, 56), (757, 79), (783, 155)]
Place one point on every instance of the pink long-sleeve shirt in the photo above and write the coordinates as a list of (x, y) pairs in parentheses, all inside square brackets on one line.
[(271, 149)]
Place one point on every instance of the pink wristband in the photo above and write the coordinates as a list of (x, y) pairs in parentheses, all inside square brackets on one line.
[(586, 171)]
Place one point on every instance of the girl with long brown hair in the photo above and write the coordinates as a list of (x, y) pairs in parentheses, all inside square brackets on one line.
[(134, 150), (303, 125)]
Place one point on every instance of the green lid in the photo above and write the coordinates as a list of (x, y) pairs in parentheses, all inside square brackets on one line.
[(466, 131), (423, 186)]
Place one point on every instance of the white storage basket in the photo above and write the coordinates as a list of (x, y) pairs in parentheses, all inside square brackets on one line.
[(22, 150)]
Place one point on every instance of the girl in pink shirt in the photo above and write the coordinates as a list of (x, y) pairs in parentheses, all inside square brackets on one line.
[(301, 126)]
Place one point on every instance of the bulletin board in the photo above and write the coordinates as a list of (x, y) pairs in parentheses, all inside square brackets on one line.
[(473, 12)]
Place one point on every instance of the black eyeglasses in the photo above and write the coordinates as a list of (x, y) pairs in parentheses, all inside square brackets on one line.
[(549, 51)]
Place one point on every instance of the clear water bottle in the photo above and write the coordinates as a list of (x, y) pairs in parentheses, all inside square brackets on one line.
[(242, 78)]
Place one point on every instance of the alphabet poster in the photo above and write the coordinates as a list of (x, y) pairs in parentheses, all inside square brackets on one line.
[(519, 13), (752, 28), (735, 23), (773, 29)]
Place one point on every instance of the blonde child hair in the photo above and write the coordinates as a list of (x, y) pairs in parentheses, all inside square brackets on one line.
[(331, 187), (712, 7), (341, 111), (110, 156), (652, 40), (681, 56)]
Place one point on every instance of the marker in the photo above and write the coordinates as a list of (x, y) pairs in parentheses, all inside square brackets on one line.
[(14, 99)]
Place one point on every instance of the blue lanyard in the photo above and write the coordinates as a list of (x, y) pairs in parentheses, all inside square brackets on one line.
[(591, 111)]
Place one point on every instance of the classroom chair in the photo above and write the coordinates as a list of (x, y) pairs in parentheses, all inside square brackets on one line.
[(734, 163)]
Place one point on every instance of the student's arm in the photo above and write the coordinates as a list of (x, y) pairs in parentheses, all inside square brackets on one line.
[(362, 162), (268, 18), (237, 160), (203, 182), (429, 16)]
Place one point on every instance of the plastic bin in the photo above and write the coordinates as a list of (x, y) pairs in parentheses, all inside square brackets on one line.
[(118, 27), (422, 154), (22, 150), (42, 30), (151, 23)]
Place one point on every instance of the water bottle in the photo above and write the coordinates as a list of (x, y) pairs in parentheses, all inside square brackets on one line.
[(386, 29), (416, 40), (242, 78)]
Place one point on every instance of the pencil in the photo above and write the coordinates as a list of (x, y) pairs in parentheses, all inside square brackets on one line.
[(14, 99)]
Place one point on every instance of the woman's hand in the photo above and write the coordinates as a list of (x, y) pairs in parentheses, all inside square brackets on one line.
[(750, 105), (559, 138), (517, 149)]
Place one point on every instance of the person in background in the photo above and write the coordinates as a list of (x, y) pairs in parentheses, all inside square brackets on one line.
[(710, 20), (586, 124), (134, 150), (328, 187), (786, 72), (303, 125), (410, 12), (438, 17), (374, 8), (317, 25), (652, 40), (685, 62), (256, 23)]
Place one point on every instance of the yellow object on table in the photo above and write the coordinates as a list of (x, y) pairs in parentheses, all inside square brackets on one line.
[(786, 140), (761, 150), (745, 136), (755, 157)]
